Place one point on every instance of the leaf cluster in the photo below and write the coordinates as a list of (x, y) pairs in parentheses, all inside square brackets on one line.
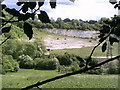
[(110, 31)]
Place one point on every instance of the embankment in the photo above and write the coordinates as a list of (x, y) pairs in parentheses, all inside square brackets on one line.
[(74, 33)]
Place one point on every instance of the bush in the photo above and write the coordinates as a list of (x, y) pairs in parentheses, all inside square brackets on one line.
[(93, 62), (46, 63), (95, 71), (65, 59), (17, 48), (13, 47), (71, 68), (9, 64), (26, 62), (62, 69), (16, 32), (112, 68), (74, 67)]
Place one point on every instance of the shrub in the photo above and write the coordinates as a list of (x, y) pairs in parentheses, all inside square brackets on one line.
[(12, 47), (93, 62), (71, 68), (74, 67), (9, 64), (15, 32), (26, 62), (30, 49), (65, 59), (95, 71), (112, 68), (46, 63), (62, 69), (17, 48)]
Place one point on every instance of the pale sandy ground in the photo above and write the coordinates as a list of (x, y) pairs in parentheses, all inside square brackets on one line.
[(65, 42)]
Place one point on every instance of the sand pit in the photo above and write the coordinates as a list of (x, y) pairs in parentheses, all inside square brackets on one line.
[(65, 42)]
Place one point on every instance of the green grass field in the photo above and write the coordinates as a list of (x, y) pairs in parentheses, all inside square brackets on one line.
[(85, 51), (25, 77)]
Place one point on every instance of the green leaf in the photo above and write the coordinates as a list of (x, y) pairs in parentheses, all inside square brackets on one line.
[(101, 35), (112, 40), (24, 16), (43, 17), (3, 15), (24, 8), (19, 3), (32, 16), (32, 5), (41, 3), (28, 30), (13, 11), (53, 3), (117, 31), (104, 47), (106, 29), (107, 21), (3, 6), (102, 39), (6, 29), (1, 19)]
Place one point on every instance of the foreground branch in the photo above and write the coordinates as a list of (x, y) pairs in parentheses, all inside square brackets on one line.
[(5, 40), (101, 42), (69, 74)]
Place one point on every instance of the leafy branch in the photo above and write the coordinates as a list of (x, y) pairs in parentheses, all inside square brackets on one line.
[(100, 42)]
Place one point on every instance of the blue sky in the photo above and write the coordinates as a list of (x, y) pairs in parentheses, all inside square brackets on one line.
[(80, 9)]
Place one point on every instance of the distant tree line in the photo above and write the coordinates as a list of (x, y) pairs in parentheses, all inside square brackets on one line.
[(67, 24), (60, 23)]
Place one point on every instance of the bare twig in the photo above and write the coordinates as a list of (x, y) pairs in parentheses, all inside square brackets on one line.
[(5, 40), (69, 74)]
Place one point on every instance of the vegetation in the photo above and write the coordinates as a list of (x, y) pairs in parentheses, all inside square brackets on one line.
[(21, 79), (9, 64), (85, 51), (68, 24), (46, 63), (109, 34)]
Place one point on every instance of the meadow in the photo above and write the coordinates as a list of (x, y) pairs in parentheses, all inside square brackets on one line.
[(25, 77), (85, 51)]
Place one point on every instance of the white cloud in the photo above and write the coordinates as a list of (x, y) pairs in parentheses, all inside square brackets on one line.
[(84, 9), (80, 9)]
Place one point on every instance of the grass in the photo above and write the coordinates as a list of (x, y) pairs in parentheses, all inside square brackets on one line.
[(85, 51), (25, 77)]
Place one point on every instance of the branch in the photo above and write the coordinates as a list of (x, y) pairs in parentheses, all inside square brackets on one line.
[(5, 40), (101, 42), (10, 19), (69, 74)]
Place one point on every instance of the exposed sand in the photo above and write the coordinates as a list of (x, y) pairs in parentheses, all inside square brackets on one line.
[(65, 42)]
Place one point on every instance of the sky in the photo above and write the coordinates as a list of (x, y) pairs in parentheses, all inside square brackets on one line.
[(80, 9)]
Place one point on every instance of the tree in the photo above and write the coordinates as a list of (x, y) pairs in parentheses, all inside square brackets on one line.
[(60, 22), (110, 28), (67, 20)]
